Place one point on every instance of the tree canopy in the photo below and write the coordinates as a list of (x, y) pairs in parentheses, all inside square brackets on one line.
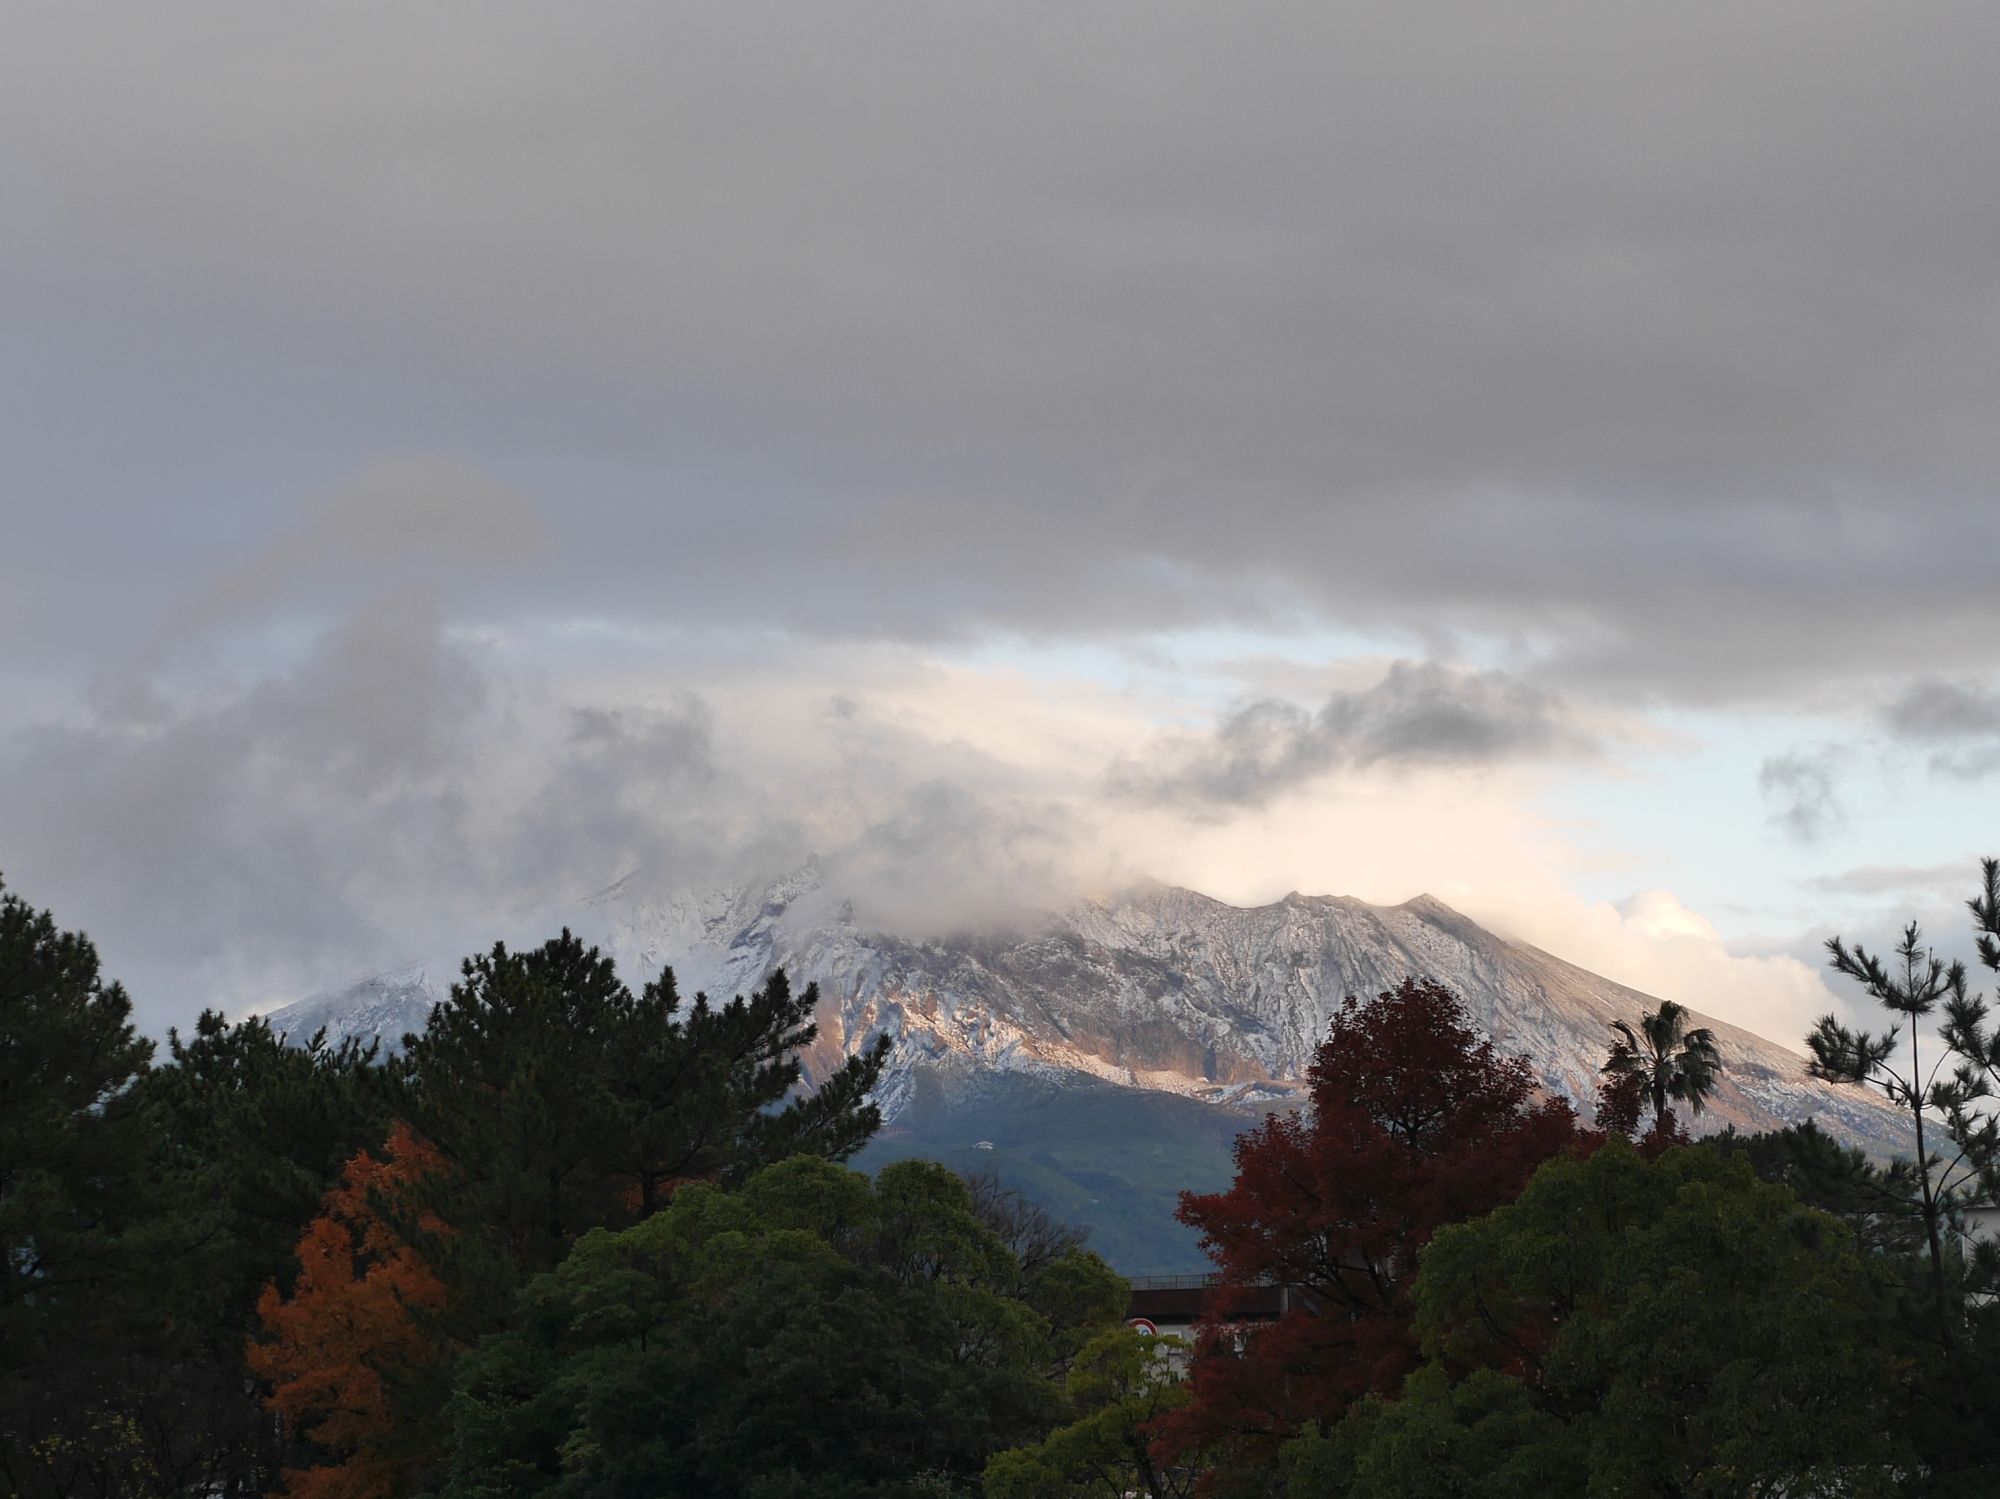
[(544, 1101), (562, 1101), (580, 1239), (1676, 1326), (813, 1333), (1415, 1122), (1120, 1387), (75, 1231), (71, 1130)]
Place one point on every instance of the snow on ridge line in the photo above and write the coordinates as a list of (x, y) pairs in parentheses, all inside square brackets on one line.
[(1163, 989)]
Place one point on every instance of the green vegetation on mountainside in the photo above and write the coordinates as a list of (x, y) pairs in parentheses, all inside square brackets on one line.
[(1109, 1159)]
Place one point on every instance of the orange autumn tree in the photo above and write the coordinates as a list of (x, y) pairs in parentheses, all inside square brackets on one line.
[(354, 1323)]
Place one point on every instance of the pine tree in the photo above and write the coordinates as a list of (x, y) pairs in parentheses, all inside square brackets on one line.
[(1957, 1145), (512, 1083), (561, 1101), (255, 1131), (70, 1133), (1945, 1083), (97, 1396)]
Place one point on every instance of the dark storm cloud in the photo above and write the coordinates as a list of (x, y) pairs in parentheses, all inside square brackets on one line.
[(1658, 341), (1418, 715), (425, 510), (1802, 795), (1959, 722)]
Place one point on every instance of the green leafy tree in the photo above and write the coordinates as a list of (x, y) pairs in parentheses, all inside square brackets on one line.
[(1672, 1327), (1665, 1061), (812, 1333), (1948, 1398), (1120, 1385), (1876, 1201), (1483, 1435)]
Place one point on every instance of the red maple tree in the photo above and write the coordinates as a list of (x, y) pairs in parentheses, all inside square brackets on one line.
[(354, 1323), (1415, 1122)]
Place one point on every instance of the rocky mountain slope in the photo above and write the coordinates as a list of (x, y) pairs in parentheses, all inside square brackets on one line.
[(1161, 989)]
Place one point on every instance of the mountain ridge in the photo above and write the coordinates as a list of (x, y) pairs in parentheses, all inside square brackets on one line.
[(1157, 987)]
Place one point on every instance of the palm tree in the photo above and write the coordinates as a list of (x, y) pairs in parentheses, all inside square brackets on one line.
[(1669, 1062)]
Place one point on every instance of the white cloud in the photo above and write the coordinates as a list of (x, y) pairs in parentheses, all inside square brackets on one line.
[(1654, 942), (403, 790)]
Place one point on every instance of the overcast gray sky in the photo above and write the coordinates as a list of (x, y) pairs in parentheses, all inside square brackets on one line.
[(452, 454)]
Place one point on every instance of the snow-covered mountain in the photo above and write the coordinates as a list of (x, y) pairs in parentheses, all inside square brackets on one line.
[(1158, 989)]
